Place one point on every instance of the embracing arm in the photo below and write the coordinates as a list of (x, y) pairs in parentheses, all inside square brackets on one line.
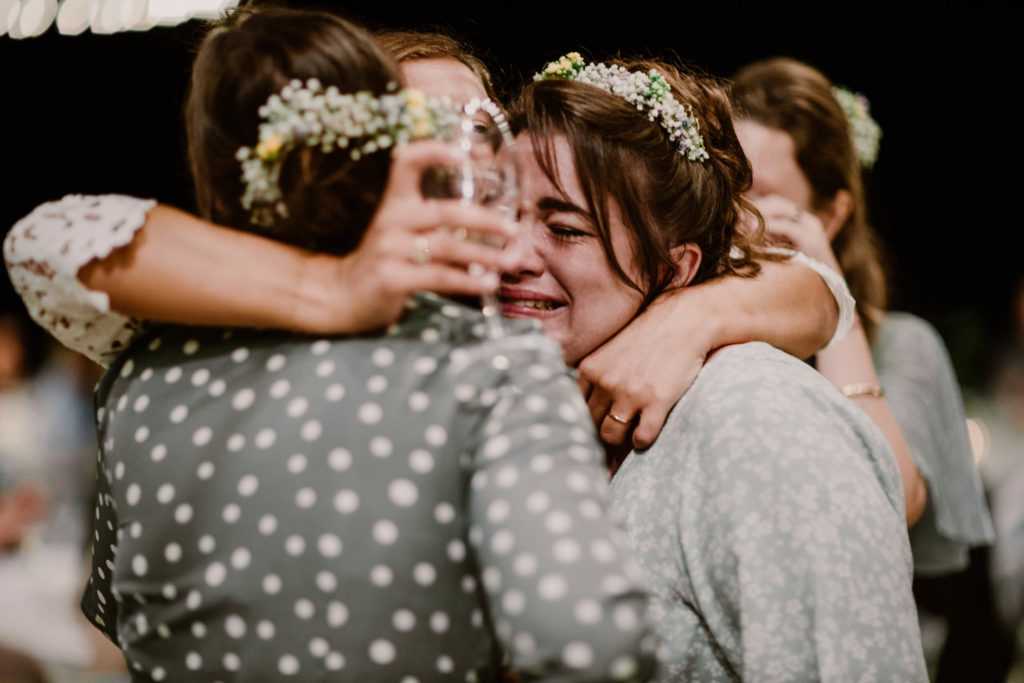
[(158, 263), (848, 365), (651, 363)]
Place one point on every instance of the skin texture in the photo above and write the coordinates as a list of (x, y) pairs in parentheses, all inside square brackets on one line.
[(443, 78), (558, 261), (784, 196)]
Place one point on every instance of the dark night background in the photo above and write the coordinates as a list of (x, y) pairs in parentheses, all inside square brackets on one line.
[(101, 113)]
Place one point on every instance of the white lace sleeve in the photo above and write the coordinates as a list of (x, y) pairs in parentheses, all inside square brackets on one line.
[(44, 252), (836, 285)]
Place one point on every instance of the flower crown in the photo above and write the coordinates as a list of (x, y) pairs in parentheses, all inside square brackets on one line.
[(311, 116), (865, 130), (648, 92)]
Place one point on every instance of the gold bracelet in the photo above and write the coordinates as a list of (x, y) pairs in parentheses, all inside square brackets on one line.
[(862, 389)]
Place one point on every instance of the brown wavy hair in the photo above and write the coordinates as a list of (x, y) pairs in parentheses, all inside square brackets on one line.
[(244, 59), (407, 46), (665, 200), (797, 99)]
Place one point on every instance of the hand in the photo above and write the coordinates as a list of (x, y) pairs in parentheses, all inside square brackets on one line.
[(633, 380), (799, 228), (413, 244)]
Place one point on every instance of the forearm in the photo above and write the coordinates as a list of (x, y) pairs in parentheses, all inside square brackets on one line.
[(848, 363), (182, 269), (787, 305)]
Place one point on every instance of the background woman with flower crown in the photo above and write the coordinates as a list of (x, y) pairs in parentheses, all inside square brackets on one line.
[(808, 143), (273, 505)]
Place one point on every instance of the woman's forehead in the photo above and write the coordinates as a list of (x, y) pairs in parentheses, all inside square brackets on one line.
[(443, 77)]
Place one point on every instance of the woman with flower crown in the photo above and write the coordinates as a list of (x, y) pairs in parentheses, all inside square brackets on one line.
[(93, 269), (694, 648), (808, 143), (425, 504), (768, 517)]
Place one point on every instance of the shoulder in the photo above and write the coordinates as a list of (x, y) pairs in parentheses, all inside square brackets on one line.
[(906, 328), (753, 370), (906, 345), (753, 402)]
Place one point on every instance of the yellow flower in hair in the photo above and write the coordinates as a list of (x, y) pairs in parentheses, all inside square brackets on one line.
[(268, 149), (414, 98)]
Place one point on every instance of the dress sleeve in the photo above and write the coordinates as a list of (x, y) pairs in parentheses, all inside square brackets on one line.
[(44, 252), (564, 600), (919, 382), (836, 285)]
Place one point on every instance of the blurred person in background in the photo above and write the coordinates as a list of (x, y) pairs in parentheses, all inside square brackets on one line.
[(999, 434), (808, 143), (46, 443)]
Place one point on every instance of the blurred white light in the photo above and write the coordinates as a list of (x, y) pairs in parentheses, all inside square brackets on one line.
[(978, 433), (32, 17), (135, 12), (103, 20), (211, 9), (170, 12), (36, 16), (73, 16), (115, 15), (9, 11)]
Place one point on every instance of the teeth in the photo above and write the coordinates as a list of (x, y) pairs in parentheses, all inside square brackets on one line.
[(531, 303)]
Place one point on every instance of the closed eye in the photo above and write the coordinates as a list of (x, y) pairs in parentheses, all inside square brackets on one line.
[(564, 232)]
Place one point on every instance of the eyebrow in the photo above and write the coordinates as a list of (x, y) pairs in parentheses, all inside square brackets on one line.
[(556, 204)]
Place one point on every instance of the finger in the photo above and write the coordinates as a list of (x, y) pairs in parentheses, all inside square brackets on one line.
[(477, 221), (651, 422), (410, 161), (599, 403), (449, 249), (617, 423), (445, 279), (585, 386)]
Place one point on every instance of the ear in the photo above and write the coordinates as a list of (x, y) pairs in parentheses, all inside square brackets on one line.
[(687, 257), (835, 213)]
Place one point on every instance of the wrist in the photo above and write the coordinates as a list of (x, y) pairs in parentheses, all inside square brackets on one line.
[(684, 312), (311, 295)]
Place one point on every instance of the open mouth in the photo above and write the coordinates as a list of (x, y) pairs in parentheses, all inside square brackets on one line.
[(526, 304), (530, 303)]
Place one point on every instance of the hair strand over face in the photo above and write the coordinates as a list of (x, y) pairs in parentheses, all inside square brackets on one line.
[(665, 199)]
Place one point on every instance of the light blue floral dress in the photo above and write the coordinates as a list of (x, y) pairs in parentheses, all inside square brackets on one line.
[(769, 520), (915, 371)]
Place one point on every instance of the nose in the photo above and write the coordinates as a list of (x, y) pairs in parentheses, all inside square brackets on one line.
[(522, 258)]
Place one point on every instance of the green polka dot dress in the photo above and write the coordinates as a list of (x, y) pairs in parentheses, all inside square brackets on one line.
[(424, 505)]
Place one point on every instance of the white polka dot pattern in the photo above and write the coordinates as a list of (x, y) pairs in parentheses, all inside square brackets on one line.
[(311, 502)]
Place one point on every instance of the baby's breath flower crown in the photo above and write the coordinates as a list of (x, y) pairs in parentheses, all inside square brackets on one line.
[(648, 92), (311, 116), (865, 130)]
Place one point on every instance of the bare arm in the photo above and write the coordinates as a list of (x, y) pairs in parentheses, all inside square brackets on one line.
[(647, 367), (178, 268), (848, 363)]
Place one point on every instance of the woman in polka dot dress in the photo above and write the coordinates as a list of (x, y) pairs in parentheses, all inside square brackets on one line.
[(425, 505)]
